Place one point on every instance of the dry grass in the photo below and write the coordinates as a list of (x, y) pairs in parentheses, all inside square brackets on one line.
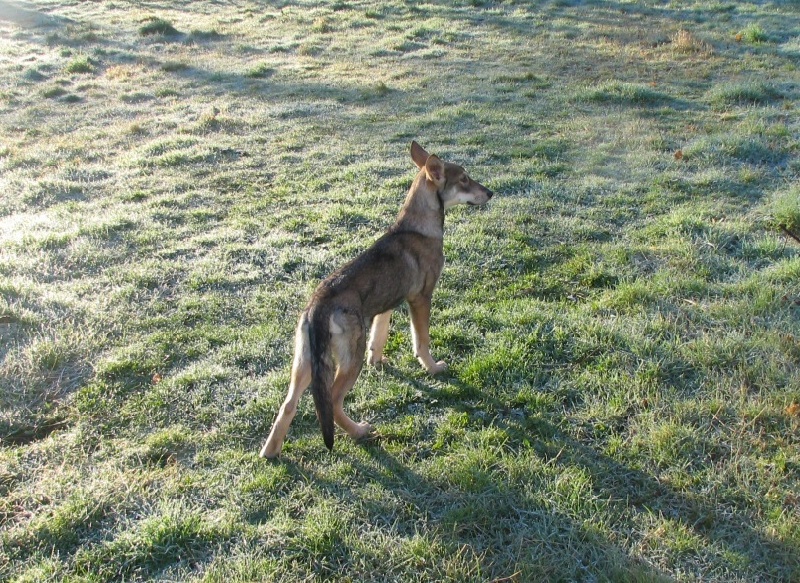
[(684, 42)]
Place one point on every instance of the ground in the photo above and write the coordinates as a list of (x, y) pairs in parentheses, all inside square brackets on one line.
[(622, 321)]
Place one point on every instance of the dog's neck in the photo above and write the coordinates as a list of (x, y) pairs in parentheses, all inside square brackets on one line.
[(423, 210)]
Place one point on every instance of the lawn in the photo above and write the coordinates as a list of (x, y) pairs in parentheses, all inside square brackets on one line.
[(622, 321)]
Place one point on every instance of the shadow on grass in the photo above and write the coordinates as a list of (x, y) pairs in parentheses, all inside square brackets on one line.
[(489, 525), (642, 493), (629, 490), (475, 515), (512, 536), (49, 30)]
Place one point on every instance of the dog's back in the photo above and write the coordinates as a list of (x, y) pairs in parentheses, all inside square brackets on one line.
[(399, 265)]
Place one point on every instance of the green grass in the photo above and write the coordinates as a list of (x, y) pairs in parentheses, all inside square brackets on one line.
[(80, 64), (158, 26), (753, 33), (785, 207), (621, 321), (748, 93), (620, 93)]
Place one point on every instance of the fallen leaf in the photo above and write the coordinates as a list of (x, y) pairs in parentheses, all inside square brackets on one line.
[(156, 378), (679, 155), (793, 409), (738, 37)]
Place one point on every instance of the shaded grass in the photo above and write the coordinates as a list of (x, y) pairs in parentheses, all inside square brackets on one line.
[(154, 543)]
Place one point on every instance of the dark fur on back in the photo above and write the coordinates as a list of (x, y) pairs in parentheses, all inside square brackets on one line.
[(378, 279)]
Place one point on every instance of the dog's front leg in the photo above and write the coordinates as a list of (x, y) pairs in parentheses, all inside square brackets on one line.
[(420, 322)]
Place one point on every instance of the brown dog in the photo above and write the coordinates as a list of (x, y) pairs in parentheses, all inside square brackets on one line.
[(404, 264)]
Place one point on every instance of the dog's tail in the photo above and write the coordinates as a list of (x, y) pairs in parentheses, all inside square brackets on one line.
[(322, 371)]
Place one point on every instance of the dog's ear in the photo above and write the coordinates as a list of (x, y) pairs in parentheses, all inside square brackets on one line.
[(419, 155), (434, 168)]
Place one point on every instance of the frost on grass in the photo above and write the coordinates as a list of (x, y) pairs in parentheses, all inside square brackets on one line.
[(621, 321)]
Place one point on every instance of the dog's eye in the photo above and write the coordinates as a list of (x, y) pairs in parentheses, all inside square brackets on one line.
[(465, 180)]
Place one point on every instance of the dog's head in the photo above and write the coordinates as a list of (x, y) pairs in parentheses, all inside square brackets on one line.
[(451, 181)]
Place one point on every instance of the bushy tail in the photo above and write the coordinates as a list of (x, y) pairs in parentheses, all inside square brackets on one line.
[(322, 372)]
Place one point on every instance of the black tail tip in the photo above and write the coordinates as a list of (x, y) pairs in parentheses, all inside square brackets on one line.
[(328, 441)]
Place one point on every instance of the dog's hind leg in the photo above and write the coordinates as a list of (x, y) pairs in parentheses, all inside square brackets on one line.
[(377, 338), (344, 381), (348, 347), (301, 378), (420, 322)]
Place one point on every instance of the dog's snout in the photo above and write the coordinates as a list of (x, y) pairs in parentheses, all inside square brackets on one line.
[(489, 193)]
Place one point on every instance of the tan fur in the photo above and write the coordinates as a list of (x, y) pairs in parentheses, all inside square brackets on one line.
[(403, 265)]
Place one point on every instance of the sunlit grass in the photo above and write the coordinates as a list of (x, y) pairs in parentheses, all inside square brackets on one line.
[(621, 321)]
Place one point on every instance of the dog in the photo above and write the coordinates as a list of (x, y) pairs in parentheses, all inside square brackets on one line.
[(403, 265)]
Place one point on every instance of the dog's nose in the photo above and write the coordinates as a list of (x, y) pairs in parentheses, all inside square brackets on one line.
[(489, 193)]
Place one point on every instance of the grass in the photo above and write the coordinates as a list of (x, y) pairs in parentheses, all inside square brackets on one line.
[(81, 64), (620, 93), (785, 207), (725, 95), (753, 33), (621, 321), (158, 26), (685, 42)]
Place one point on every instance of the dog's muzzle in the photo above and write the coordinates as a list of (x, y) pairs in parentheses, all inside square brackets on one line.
[(489, 194)]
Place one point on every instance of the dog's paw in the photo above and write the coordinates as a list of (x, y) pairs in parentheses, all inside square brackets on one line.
[(370, 435), (364, 431), (271, 450), (378, 362), (440, 366)]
